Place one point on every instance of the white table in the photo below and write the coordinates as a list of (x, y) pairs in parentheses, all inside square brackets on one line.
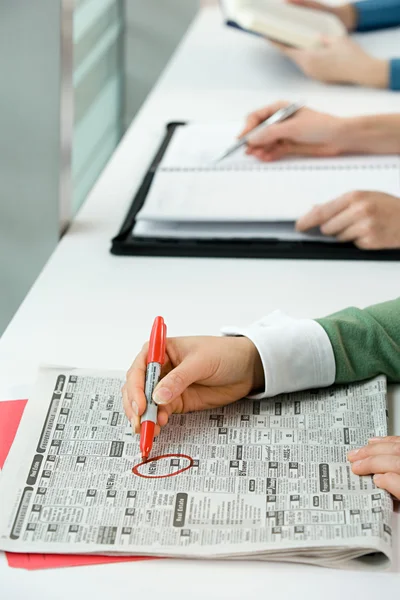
[(89, 308)]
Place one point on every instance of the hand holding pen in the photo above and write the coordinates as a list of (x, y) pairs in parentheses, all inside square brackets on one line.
[(276, 114), (306, 133)]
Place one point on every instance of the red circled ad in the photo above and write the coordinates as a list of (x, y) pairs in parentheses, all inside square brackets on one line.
[(135, 469)]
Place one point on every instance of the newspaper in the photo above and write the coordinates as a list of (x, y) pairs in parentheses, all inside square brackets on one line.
[(256, 479)]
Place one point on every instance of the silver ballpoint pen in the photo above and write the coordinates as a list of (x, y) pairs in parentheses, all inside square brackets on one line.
[(277, 117)]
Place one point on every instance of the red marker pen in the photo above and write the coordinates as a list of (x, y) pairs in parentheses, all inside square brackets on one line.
[(155, 360)]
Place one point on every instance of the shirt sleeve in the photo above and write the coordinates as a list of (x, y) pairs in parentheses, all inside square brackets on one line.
[(347, 346), (394, 76), (296, 353), (365, 342), (377, 14)]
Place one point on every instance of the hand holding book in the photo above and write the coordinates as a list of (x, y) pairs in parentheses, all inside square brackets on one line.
[(337, 59)]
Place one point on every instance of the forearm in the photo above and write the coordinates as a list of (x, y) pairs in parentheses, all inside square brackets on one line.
[(365, 342), (350, 345), (373, 134), (369, 15), (379, 73)]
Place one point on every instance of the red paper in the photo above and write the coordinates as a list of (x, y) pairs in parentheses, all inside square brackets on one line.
[(33, 562), (10, 416)]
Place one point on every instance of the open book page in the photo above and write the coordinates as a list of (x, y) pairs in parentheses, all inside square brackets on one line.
[(262, 479), (293, 25), (197, 145), (227, 231), (282, 191)]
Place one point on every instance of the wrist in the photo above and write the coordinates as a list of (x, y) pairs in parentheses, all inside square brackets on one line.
[(374, 73), (347, 13), (375, 134), (254, 366), (344, 135)]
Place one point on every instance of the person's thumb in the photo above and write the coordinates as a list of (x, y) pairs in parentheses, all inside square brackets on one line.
[(175, 382)]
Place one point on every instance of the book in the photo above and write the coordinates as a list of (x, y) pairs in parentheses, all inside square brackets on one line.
[(257, 479), (291, 25), (241, 197)]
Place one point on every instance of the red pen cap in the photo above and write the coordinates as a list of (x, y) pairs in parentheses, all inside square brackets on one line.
[(158, 338)]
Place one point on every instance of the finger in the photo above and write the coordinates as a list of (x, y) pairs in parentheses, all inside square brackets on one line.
[(271, 134), (136, 425), (352, 234), (382, 463), (259, 153), (381, 448), (258, 116), (322, 213), (135, 422), (387, 438), (135, 381), (127, 404), (163, 416), (291, 148), (341, 222), (165, 411), (276, 152), (176, 381), (271, 155), (367, 243), (308, 4), (389, 482), (289, 51), (267, 155)]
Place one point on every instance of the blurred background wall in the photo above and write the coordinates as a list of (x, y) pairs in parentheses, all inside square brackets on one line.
[(73, 75)]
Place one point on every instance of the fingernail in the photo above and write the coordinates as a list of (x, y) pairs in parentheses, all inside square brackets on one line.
[(374, 439), (352, 453), (135, 408), (377, 479), (162, 395), (357, 463)]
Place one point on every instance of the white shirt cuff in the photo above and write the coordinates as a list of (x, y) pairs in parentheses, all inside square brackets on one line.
[(296, 353)]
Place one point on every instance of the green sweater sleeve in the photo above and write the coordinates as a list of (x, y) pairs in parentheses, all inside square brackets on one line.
[(365, 342)]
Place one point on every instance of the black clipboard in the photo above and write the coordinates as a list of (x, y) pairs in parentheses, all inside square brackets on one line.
[(126, 244)]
